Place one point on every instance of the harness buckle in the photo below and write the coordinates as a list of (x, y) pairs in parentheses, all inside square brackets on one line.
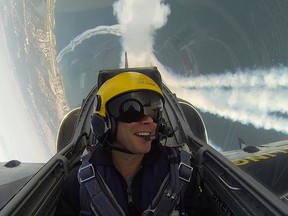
[(185, 171), (86, 173)]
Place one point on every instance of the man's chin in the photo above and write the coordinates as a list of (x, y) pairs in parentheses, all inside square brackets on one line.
[(145, 147)]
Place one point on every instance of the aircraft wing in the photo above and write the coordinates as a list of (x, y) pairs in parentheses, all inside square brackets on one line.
[(269, 166), (20, 174)]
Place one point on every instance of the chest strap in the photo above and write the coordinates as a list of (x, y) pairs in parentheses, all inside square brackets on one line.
[(100, 200), (180, 175)]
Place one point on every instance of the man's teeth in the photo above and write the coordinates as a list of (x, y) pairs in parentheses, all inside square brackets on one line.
[(143, 134)]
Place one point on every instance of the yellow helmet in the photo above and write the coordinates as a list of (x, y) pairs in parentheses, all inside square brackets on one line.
[(131, 86)]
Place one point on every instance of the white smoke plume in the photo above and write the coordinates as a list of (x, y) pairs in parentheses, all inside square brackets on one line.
[(139, 19)]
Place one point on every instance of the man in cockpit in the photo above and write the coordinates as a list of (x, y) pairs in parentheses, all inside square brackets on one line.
[(129, 172)]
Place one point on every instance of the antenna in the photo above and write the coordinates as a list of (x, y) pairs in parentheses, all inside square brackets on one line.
[(126, 60), (242, 143)]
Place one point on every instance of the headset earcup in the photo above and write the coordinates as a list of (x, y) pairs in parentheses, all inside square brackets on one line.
[(98, 125)]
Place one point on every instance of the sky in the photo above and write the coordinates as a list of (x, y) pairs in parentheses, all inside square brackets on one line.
[(18, 137)]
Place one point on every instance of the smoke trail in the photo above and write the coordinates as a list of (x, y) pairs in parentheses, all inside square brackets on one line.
[(251, 97), (114, 30), (272, 78)]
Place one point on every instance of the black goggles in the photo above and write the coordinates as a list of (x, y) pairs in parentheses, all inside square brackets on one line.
[(133, 106)]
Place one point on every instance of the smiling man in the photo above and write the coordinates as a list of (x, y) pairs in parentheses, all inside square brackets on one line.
[(129, 172)]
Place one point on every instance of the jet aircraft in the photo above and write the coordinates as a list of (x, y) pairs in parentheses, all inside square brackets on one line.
[(228, 179)]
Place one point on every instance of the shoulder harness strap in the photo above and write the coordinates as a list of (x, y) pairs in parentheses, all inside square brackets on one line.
[(180, 176), (95, 194)]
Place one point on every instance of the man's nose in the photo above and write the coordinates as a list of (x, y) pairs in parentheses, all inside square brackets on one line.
[(146, 119)]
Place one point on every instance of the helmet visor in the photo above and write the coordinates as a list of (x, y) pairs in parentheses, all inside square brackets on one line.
[(133, 106)]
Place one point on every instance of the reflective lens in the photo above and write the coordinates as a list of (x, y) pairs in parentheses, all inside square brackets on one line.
[(132, 107)]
